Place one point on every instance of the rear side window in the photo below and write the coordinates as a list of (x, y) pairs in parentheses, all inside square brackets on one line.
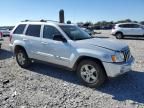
[(33, 30), (20, 29), (49, 32)]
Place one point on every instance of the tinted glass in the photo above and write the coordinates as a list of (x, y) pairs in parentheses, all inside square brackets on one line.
[(49, 32), (20, 29), (75, 33), (135, 26), (129, 26), (125, 26), (33, 30)]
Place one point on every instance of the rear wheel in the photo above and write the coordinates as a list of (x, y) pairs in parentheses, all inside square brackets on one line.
[(22, 59), (119, 35), (91, 73)]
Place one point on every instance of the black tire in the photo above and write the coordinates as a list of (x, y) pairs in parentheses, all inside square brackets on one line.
[(119, 35), (26, 62), (101, 76)]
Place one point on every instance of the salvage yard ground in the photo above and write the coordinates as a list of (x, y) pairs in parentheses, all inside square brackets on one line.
[(45, 86)]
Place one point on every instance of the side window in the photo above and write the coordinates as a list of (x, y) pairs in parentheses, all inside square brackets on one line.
[(125, 26), (33, 30), (135, 26), (122, 26), (20, 29), (129, 26), (49, 32)]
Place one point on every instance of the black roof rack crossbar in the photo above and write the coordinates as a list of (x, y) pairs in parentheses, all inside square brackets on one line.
[(42, 20)]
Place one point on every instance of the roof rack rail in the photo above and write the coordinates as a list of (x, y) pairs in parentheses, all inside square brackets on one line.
[(42, 20)]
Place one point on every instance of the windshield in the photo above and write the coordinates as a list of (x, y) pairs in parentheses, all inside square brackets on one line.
[(74, 32)]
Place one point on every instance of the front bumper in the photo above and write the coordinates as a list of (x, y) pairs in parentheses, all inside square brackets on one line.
[(116, 69)]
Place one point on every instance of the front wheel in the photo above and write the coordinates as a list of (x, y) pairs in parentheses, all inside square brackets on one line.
[(22, 59), (91, 73)]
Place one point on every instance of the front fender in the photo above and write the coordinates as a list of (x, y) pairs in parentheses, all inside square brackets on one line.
[(102, 55)]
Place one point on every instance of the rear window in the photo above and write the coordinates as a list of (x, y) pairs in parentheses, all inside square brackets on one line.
[(33, 30), (20, 29)]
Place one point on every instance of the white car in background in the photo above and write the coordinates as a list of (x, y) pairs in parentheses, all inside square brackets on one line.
[(122, 30), (5, 31)]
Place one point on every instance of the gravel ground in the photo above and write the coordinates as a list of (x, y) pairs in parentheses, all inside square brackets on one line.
[(45, 86)]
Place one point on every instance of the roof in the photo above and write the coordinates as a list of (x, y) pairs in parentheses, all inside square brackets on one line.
[(43, 22)]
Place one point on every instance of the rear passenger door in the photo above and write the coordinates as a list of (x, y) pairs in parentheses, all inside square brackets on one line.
[(32, 39)]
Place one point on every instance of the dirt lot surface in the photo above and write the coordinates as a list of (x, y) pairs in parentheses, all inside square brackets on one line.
[(45, 86)]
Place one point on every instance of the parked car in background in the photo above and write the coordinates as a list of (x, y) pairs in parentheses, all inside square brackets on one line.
[(5, 31), (90, 32), (66, 45), (122, 30)]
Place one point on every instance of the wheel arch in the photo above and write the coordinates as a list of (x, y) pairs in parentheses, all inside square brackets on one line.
[(19, 47), (119, 32), (88, 58)]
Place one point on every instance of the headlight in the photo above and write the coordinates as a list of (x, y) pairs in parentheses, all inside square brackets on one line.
[(118, 57)]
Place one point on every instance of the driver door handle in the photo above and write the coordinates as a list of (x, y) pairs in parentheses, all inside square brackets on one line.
[(25, 39)]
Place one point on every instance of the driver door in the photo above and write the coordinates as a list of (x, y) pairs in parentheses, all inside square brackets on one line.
[(56, 52)]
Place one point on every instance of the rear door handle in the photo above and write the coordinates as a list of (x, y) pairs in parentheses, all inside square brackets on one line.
[(45, 43)]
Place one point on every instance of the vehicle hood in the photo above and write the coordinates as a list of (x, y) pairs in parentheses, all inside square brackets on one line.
[(110, 44)]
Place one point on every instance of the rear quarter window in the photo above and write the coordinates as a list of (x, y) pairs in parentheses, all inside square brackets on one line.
[(19, 29)]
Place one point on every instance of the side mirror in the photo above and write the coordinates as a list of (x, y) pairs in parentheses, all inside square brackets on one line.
[(59, 38)]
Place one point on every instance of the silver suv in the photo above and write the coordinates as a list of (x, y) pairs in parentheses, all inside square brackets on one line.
[(67, 45)]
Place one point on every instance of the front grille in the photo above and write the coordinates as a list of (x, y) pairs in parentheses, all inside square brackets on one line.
[(127, 54)]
